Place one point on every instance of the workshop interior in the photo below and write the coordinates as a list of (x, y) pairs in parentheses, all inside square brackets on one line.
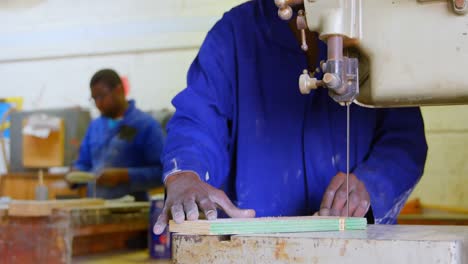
[(208, 131)]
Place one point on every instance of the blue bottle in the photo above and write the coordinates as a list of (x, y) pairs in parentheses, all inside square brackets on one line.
[(159, 245)]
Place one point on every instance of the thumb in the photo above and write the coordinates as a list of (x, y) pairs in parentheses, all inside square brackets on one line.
[(232, 210), (161, 223)]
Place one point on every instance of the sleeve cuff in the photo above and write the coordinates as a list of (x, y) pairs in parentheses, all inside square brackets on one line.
[(177, 165)]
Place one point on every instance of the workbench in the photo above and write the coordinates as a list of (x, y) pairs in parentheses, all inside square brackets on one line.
[(377, 244), (71, 231)]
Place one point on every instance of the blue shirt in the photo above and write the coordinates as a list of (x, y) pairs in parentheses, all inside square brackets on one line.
[(243, 126), (135, 142)]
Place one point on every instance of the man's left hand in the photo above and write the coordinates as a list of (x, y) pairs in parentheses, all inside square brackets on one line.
[(112, 177), (334, 200)]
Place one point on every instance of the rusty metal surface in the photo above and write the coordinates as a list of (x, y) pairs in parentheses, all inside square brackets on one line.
[(36, 239), (379, 244)]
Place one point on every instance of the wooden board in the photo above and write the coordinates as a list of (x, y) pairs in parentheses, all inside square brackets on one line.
[(80, 177), (25, 208), (268, 225), (44, 153)]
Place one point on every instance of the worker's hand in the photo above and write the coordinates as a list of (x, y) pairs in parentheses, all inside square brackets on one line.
[(112, 177), (334, 200), (186, 194)]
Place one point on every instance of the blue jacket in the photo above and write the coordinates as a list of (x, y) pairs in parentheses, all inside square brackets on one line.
[(135, 143), (243, 126)]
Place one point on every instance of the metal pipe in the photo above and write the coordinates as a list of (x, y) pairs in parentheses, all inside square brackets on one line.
[(335, 47)]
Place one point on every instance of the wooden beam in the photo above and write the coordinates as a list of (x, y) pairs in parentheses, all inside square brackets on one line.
[(268, 225), (20, 208)]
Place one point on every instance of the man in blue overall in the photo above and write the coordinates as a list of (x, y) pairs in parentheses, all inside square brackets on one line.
[(244, 137), (122, 147)]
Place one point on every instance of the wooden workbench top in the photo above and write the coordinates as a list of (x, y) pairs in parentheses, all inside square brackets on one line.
[(125, 257), (378, 244)]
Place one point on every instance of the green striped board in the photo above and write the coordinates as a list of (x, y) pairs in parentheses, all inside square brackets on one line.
[(268, 225)]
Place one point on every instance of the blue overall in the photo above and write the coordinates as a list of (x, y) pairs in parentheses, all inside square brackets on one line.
[(243, 126), (134, 143)]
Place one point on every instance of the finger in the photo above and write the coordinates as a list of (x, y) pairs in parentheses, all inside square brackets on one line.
[(339, 201), (161, 224), (177, 212), (191, 209), (354, 200), (231, 210), (362, 209), (209, 208), (364, 201), (332, 188), (324, 212)]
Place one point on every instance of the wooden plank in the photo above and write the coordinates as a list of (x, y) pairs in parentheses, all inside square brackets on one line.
[(268, 225), (20, 208), (385, 244), (80, 177)]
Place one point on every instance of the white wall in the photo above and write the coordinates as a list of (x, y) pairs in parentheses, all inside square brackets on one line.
[(445, 180), (50, 49)]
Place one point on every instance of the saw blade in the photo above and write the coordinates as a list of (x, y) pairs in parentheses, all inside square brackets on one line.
[(348, 105)]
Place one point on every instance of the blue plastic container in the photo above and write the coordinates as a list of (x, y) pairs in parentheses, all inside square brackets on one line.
[(159, 245)]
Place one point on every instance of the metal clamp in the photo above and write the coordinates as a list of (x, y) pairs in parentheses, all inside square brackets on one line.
[(342, 79)]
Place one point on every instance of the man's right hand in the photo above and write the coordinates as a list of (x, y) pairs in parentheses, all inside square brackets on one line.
[(186, 193)]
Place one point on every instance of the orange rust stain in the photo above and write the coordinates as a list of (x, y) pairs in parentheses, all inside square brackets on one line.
[(343, 249), (280, 250)]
